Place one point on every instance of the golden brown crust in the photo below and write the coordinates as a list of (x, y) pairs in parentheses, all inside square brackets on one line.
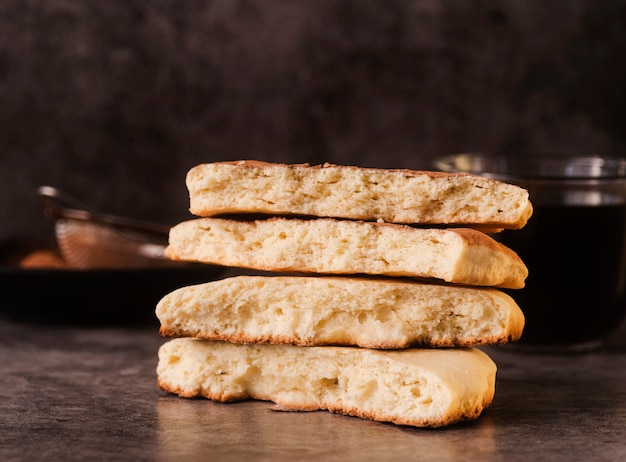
[(408, 172), (288, 340), (475, 237)]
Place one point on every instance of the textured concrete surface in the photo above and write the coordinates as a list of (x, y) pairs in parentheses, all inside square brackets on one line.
[(114, 101), (90, 394)]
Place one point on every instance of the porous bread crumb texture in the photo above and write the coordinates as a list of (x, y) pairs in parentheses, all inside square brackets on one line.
[(418, 387), (340, 311), (395, 196), (328, 246)]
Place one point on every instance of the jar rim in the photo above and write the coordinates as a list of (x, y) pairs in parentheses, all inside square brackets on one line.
[(538, 165)]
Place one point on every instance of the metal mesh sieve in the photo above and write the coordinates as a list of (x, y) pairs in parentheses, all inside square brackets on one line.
[(90, 240)]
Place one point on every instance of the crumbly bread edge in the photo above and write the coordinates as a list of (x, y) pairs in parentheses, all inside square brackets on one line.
[(169, 308), (494, 225)]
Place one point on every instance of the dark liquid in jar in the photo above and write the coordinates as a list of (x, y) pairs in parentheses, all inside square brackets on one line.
[(576, 260)]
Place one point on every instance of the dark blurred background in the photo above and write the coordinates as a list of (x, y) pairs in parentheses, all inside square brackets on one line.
[(113, 101)]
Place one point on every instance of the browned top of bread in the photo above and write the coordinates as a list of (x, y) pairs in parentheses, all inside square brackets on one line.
[(262, 164)]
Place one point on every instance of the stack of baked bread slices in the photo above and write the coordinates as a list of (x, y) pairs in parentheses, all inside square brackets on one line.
[(374, 288)]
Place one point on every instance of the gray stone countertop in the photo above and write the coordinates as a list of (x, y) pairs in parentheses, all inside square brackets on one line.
[(76, 393)]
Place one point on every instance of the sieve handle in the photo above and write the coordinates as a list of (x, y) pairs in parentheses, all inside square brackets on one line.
[(58, 204)]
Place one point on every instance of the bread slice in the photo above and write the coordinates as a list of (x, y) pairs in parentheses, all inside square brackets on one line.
[(395, 196), (371, 313), (419, 387), (329, 246)]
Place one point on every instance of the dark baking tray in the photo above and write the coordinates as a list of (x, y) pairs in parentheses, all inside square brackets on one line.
[(89, 297)]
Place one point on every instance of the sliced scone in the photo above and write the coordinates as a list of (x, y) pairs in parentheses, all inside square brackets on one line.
[(418, 387), (329, 246), (371, 313), (334, 191)]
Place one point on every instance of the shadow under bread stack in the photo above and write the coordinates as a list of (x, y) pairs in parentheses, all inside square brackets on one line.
[(379, 285)]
